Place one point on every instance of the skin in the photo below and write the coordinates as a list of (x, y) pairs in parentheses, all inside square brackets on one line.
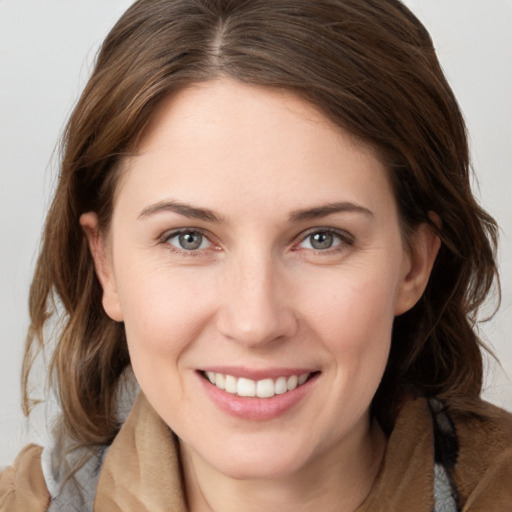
[(257, 294)]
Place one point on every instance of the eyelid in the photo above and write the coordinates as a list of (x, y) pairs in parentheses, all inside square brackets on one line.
[(168, 235), (345, 237)]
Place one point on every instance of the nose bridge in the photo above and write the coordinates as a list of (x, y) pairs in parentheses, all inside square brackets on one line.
[(256, 309)]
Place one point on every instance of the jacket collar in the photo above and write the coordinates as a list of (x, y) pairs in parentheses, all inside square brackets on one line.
[(406, 478), (142, 469)]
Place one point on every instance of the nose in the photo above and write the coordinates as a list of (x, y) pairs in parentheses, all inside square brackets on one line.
[(256, 304)]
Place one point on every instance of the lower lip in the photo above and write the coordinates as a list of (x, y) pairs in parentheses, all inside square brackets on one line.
[(253, 408)]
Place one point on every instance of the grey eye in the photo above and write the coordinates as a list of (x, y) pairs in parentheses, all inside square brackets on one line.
[(321, 240), (189, 240)]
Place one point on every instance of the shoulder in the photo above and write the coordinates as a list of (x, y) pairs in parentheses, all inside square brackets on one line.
[(22, 485), (483, 470)]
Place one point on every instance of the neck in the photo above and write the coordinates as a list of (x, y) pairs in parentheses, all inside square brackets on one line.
[(339, 479)]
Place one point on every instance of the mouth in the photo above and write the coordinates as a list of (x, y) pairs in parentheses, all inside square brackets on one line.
[(264, 388)]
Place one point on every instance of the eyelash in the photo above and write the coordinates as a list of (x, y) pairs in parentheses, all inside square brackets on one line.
[(344, 240), (167, 237)]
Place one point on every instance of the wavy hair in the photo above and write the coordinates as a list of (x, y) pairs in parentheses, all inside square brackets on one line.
[(371, 68)]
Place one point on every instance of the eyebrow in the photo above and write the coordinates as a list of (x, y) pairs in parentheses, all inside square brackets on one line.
[(184, 209), (328, 209), (207, 215)]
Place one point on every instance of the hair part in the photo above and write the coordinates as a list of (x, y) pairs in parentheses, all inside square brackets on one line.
[(370, 67)]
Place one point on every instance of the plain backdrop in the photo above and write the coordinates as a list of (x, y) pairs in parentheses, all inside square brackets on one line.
[(47, 48)]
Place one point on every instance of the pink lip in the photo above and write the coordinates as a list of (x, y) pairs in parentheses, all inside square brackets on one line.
[(256, 409), (258, 374)]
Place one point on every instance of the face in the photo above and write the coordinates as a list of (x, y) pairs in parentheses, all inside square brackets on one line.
[(256, 260)]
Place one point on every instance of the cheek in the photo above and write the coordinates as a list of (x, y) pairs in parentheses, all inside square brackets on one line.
[(355, 310), (354, 323), (164, 310)]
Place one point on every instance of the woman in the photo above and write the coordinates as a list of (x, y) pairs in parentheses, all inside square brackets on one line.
[(264, 211)]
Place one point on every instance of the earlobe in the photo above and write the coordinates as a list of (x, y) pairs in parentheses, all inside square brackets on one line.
[(102, 265), (424, 246)]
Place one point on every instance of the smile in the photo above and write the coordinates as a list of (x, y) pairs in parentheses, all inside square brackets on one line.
[(265, 388)]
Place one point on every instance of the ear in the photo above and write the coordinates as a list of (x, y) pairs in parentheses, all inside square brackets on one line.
[(424, 246), (101, 255)]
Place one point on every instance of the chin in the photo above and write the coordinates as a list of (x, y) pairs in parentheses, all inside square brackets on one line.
[(259, 470), (254, 461)]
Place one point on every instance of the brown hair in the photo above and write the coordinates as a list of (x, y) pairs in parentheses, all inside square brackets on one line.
[(370, 66)]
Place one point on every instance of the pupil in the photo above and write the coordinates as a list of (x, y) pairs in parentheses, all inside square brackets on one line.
[(190, 241), (322, 240)]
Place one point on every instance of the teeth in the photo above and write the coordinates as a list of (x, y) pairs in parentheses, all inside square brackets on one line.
[(231, 384), (303, 378), (220, 381), (245, 387), (292, 382), (280, 386), (265, 388)]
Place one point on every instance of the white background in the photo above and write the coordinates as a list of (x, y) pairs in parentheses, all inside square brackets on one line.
[(46, 51)]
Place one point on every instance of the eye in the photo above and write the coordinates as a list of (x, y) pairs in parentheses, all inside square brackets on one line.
[(190, 240), (323, 240)]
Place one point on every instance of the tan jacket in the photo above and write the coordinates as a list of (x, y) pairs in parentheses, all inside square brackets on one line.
[(141, 469)]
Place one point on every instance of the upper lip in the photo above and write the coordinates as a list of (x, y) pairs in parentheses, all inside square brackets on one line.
[(258, 373)]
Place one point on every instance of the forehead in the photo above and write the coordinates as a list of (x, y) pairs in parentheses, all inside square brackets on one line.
[(226, 104), (224, 139)]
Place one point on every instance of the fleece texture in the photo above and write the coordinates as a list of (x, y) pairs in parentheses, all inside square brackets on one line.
[(141, 469)]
